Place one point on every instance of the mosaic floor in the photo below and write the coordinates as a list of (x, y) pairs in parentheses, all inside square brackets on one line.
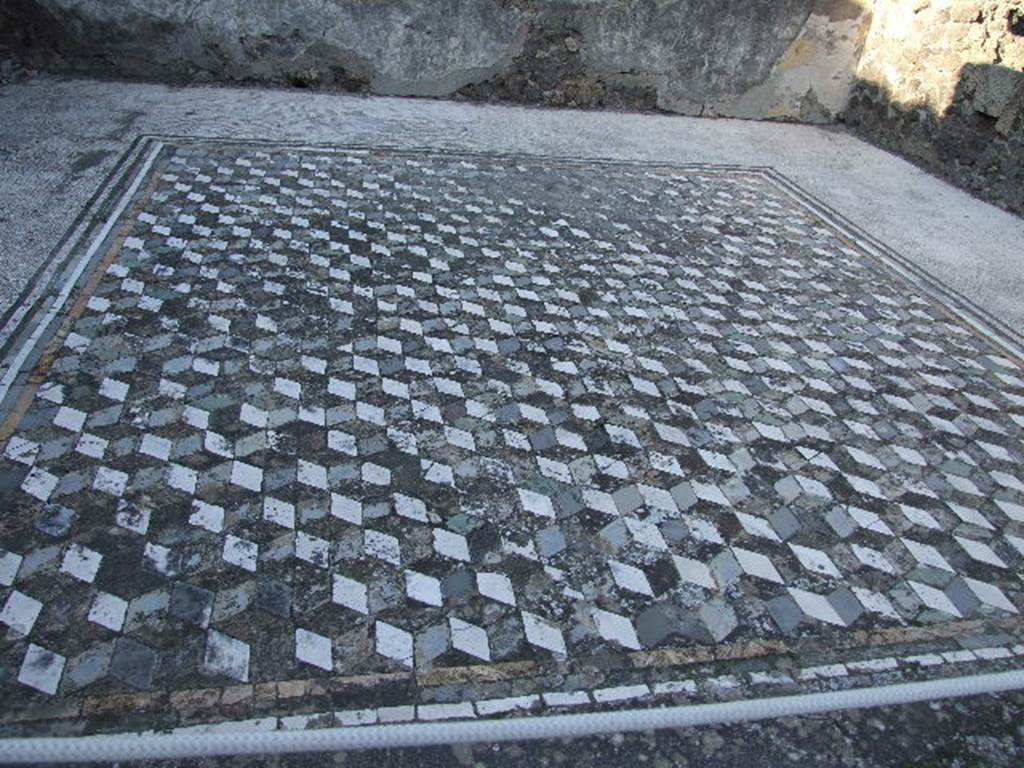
[(515, 427)]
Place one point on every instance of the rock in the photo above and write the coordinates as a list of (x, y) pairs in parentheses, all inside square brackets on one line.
[(712, 741), (965, 12), (12, 71), (994, 88), (1011, 121)]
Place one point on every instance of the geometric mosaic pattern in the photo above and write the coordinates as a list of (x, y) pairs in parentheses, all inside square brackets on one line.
[(330, 413)]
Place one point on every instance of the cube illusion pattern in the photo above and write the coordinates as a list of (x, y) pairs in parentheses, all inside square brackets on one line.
[(338, 412)]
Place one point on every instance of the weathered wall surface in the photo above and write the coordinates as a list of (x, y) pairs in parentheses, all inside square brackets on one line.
[(780, 59), (398, 47), (942, 81)]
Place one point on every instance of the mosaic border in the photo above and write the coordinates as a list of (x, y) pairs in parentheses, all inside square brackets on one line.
[(182, 708), (389, 698)]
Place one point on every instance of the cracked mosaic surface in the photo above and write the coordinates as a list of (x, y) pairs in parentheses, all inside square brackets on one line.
[(335, 413)]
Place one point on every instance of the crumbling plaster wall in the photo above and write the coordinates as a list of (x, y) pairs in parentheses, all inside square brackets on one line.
[(759, 59)]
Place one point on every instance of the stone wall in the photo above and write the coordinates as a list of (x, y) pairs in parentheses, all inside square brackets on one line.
[(942, 82), (780, 59)]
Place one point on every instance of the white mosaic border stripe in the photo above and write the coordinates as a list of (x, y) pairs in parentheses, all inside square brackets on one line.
[(15, 363), (633, 693)]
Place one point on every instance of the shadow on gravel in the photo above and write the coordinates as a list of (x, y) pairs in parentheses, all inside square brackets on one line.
[(977, 143)]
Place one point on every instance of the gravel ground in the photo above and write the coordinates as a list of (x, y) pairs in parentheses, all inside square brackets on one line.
[(980, 732)]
